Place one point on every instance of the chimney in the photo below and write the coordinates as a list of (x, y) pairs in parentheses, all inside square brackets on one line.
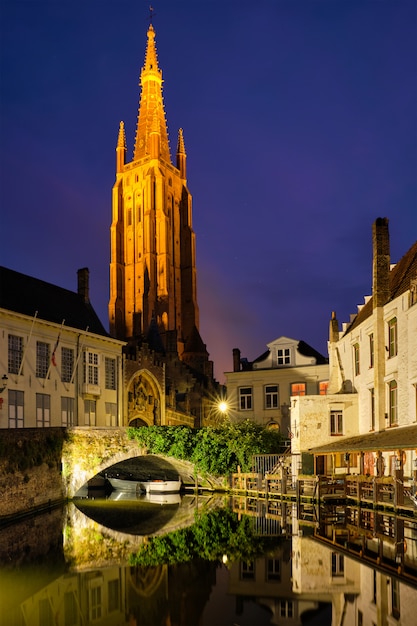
[(236, 360), (334, 328), (381, 262), (83, 284)]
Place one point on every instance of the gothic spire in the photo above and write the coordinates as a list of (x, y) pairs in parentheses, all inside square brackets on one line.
[(151, 104), (181, 155)]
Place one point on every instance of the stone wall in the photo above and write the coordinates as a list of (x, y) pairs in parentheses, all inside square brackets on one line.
[(30, 469)]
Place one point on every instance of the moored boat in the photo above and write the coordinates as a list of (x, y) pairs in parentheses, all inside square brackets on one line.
[(128, 482)]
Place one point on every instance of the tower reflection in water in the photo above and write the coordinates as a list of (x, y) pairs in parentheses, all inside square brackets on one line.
[(339, 565)]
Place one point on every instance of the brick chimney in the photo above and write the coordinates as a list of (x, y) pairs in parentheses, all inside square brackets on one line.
[(381, 262), (236, 360), (83, 284)]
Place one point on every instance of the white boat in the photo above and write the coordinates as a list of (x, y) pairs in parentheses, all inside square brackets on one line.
[(162, 486), (154, 498), (127, 482)]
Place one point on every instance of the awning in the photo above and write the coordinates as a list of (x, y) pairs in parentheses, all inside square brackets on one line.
[(396, 438)]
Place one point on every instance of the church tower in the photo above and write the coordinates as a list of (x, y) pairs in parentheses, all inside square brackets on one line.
[(152, 264)]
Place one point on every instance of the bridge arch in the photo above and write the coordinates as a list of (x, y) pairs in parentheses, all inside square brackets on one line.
[(88, 451)]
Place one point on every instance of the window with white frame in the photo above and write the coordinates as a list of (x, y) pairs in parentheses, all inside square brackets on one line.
[(336, 422), (67, 364), (67, 411), (283, 356), (271, 396), (247, 570), (392, 337), (113, 595), (15, 402), (371, 350), (111, 413), (356, 359), (110, 373), (245, 398), (372, 398), (91, 368), (286, 608), (90, 412), (338, 565), (393, 402), (273, 570), (43, 359), (395, 598), (95, 603), (15, 354), (43, 410)]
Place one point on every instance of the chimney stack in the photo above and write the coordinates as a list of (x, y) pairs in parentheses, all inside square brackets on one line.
[(83, 284), (236, 360), (381, 262), (334, 328)]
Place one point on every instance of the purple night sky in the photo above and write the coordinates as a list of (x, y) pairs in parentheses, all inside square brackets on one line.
[(300, 126)]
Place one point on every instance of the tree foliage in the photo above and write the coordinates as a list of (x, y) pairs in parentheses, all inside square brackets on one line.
[(217, 451), (211, 537)]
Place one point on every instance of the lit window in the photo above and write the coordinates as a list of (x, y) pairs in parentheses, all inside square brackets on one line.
[(67, 411), (15, 354), (336, 422), (91, 368), (298, 389), (42, 359), (43, 410), (245, 398), (323, 386), (283, 356), (356, 359), (271, 396), (371, 350), (90, 412), (110, 371), (67, 364), (392, 337), (393, 402), (15, 404)]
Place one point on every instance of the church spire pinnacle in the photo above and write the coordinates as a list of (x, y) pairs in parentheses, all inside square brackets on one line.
[(121, 148), (151, 104), (181, 155)]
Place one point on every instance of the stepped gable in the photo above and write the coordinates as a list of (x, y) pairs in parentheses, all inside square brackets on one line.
[(400, 279), (25, 295)]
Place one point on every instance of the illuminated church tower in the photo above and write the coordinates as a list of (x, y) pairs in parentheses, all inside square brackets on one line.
[(152, 265)]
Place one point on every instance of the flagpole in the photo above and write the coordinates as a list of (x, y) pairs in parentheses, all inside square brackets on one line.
[(78, 358), (27, 344), (53, 353)]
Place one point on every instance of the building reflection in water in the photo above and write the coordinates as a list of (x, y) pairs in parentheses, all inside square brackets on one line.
[(341, 563)]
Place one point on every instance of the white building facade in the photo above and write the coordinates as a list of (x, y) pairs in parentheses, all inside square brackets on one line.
[(261, 390), (372, 394), (55, 373)]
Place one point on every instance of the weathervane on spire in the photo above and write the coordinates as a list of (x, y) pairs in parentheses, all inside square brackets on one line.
[(151, 13)]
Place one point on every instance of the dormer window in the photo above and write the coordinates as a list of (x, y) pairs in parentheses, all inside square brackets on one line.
[(283, 356)]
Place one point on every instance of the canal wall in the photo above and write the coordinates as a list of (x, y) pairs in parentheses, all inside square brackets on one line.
[(30, 470)]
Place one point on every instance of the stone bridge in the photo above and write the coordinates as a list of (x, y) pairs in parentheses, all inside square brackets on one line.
[(88, 451)]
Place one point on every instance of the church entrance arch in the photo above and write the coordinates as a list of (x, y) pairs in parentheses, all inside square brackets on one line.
[(144, 400)]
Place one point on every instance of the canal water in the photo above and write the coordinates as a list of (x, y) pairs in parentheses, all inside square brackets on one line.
[(207, 560)]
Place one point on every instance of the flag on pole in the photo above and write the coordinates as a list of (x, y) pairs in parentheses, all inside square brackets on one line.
[(53, 357)]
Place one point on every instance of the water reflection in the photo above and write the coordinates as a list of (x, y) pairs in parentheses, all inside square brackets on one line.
[(202, 561)]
